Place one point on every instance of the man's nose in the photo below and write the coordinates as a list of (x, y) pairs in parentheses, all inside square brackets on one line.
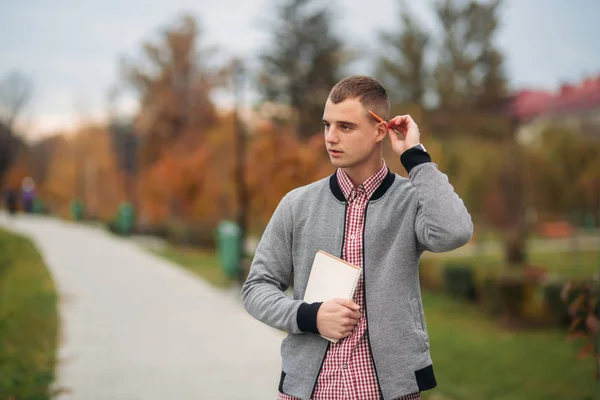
[(331, 136)]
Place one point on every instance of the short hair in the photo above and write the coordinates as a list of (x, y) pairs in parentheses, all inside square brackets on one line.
[(367, 90)]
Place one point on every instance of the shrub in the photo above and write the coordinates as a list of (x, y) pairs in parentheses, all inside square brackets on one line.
[(519, 299), (583, 300), (556, 311), (183, 234), (429, 275), (511, 290), (459, 281)]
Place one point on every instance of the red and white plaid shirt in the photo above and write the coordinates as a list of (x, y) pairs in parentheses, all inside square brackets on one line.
[(348, 371)]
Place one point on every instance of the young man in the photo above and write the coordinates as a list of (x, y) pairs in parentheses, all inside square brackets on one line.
[(376, 220)]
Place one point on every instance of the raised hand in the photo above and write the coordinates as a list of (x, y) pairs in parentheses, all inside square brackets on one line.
[(409, 131)]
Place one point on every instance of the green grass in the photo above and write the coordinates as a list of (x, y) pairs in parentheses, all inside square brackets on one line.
[(474, 358), (565, 264), (576, 265), (28, 321), (201, 262)]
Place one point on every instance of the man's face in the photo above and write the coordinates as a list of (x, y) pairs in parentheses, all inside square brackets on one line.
[(351, 135)]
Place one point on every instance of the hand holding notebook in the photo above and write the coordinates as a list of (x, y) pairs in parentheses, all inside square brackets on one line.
[(333, 278)]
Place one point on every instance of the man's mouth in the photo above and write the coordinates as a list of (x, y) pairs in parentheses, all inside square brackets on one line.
[(334, 152)]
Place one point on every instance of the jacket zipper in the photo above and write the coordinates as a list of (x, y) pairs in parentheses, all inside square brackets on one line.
[(341, 256), (365, 298)]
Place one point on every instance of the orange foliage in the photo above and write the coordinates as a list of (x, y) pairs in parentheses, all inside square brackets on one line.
[(84, 166), (218, 198), (277, 163), (59, 188), (192, 180), (171, 185)]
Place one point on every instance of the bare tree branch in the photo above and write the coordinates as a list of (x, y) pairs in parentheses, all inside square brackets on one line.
[(15, 92)]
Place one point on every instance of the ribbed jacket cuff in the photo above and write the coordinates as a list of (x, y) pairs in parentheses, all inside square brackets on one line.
[(413, 157), (307, 317)]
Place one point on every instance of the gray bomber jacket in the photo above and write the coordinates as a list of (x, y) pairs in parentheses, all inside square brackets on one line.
[(404, 217)]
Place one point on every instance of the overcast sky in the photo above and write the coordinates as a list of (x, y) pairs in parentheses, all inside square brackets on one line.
[(71, 48)]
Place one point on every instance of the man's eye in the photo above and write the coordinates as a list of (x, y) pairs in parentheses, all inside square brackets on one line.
[(346, 127)]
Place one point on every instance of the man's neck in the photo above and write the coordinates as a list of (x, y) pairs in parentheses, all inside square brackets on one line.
[(359, 174)]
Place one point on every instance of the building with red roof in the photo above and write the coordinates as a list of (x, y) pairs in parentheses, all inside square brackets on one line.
[(576, 107)]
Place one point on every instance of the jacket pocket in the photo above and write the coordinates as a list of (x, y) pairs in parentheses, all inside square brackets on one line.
[(419, 323), (416, 313)]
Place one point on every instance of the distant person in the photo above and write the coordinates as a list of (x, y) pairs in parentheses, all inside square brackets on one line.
[(11, 202), (377, 220), (28, 194)]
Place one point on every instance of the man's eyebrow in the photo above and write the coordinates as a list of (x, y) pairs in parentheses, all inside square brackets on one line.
[(340, 122)]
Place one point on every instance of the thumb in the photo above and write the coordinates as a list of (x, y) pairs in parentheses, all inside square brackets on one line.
[(393, 136), (348, 304)]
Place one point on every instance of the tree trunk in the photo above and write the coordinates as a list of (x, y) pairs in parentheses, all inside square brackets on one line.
[(515, 246)]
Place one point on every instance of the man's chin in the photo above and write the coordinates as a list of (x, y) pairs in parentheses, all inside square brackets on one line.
[(336, 162)]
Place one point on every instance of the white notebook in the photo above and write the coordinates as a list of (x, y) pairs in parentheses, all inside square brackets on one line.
[(331, 278)]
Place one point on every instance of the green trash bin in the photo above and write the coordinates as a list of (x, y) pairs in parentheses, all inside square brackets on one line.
[(39, 207), (589, 222), (77, 210), (125, 218), (229, 249)]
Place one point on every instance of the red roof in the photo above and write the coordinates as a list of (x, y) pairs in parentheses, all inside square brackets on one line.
[(529, 104)]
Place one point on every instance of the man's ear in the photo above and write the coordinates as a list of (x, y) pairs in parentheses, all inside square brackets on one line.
[(381, 131)]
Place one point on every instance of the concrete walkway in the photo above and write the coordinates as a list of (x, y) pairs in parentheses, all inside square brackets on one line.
[(134, 326)]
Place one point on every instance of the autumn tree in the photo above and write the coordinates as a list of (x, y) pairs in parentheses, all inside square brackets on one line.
[(470, 84), (564, 177), (84, 166), (40, 156), (173, 83), (125, 145), (303, 62), (201, 182), (278, 161), (469, 67), (402, 67), (471, 116), (459, 64), (468, 79)]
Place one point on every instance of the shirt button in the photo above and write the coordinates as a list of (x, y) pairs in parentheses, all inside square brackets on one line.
[(344, 366), (351, 236)]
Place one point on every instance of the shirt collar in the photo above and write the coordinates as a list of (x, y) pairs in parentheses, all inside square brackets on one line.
[(368, 186)]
